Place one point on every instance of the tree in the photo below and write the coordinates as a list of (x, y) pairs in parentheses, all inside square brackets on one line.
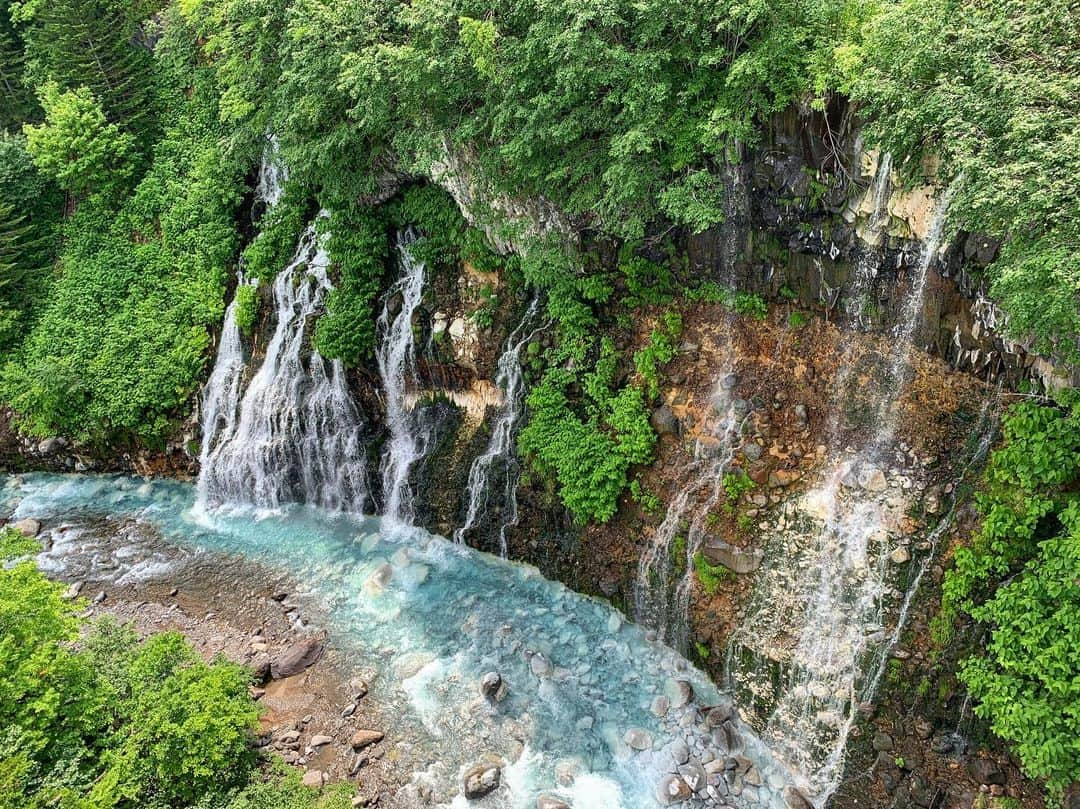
[(1018, 581), (987, 93), (18, 102), (93, 44), (77, 146)]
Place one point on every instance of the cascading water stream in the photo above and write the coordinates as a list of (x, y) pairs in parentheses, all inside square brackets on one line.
[(396, 355), (679, 537), (499, 457), (665, 572), (222, 393), (841, 580), (869, 261), (296, 435)]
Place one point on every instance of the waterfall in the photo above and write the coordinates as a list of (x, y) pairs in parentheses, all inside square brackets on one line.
[(222, 392), (499, 457), (679, 538), (296, 435), (665, 574), (272, 175), (830, 592), (396, 356), (869, 261)]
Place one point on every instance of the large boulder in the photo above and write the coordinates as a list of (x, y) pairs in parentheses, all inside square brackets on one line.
[(296, 657), (664, 421), (365, 738), (672, 789), (986, 771), (28, 527), (737, 560), (482, 778), (795, 799)]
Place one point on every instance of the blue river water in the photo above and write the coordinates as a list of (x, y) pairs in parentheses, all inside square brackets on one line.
[(432, 617)]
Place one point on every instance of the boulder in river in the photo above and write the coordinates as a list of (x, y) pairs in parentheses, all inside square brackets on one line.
[(482, 779), (551, 802), (28, 527), (295, 658), (672, 789), (638, 739), (795, 799), (493, 687)]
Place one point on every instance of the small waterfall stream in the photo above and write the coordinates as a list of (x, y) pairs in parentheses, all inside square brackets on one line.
[(869, 261), (499, 458), (665, 575), (396, 355), (296, 434), (222, 392), (670, 556), (838, 582)]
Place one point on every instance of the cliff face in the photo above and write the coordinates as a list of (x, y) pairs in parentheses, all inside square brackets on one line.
[(803, 226), (798, 233), (800, 383)]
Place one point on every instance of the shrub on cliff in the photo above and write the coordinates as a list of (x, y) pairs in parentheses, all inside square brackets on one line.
[(1019, 580), (588, 446)]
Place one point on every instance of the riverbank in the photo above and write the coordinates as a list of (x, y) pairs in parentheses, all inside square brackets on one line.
[(314, 703)]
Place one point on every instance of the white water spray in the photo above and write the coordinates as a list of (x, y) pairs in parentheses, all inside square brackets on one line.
[(839, 587), (396, 355), (869, 261), (499, 457), (296, 435)]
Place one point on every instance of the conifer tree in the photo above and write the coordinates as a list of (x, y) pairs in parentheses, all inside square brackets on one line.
[(93, 44)]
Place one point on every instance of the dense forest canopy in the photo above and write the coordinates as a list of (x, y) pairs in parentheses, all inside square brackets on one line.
[(149, 119)]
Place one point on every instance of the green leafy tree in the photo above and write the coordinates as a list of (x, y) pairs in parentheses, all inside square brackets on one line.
[(987, 93), (93, 44), (123, 336), (115, 722), (1018, 580), (77, 146), (359, 250)]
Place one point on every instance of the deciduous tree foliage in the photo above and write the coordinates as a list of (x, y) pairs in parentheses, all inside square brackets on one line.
[(115, 723), (1019, 579), (989, 92)]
